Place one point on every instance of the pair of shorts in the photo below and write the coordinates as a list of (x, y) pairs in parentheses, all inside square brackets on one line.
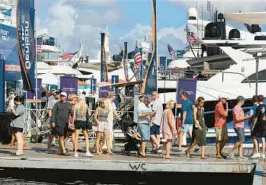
[(144, 130), (240, 132), (62, 130), (16, 129), (80, 125), (221, 133), (155, 130), (102, 127), (187, 128)]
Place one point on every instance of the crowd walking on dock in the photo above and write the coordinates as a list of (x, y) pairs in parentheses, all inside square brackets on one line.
[(69, 115)]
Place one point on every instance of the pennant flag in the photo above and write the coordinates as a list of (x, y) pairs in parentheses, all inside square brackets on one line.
[(192, 38), (39, 49), (68, 56), (150, 80), (171, 52), (26, 42), (138, 61), (104, 67), (7, 12)]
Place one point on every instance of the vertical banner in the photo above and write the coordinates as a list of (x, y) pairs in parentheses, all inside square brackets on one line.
[(163, 62), (2, 84), (93, 85), (125, 62), (31, 95), (69, 84), (115, 80), (104, 67), (190, 86), (150, 80), (103, 92), (26, 42)]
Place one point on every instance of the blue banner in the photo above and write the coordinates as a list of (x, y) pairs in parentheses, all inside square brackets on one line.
[(103, 92), (26, 42), (9, 52), (2, 84), (190, 86), (69, 84), (115, 80), (93, 85), (163, 64)]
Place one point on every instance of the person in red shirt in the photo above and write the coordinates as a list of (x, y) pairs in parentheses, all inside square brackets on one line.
[(220, 116)]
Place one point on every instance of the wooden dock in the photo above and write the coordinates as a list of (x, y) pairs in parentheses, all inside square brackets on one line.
[(36, 157)]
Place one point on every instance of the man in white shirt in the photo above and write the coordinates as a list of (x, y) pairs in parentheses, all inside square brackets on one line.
[(157, 109)]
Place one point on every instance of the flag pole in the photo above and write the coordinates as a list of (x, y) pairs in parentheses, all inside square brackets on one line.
[(36, 79)]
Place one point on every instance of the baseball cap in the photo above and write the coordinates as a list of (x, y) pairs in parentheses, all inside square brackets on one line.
[(63, 94), (146, 98), (223, 97)]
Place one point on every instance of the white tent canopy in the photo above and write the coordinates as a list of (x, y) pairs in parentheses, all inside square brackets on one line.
[(247, 17), (180, 63), (65, 70), (43, 66), (49, 78)]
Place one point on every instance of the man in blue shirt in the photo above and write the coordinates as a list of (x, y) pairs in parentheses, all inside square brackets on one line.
[(186, 118)]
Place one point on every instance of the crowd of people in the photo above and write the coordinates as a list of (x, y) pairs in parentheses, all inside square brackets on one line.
[(70, 114)]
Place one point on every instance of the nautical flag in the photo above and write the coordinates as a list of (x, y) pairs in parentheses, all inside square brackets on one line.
[(138, 62), (150, 77), (26, 42), (7, 12), (39, 49), (171, 51)]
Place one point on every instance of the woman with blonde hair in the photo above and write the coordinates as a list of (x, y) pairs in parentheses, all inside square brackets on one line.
[(200, 129), (168, 127), (81, 110), (101, 119)]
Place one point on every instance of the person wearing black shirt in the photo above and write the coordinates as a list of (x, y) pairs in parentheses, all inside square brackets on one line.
[(61, 112)]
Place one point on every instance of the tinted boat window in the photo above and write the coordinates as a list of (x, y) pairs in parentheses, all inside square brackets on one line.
[(252, 78)]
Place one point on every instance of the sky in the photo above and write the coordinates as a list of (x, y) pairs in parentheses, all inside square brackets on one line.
[(75, 21)]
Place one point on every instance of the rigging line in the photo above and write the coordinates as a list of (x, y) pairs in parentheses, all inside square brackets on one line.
[(207, 94), (218, 90)]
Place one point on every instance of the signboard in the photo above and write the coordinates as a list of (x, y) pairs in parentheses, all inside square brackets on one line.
[(26, 42), (190, 86), (2, 84), (93, 85), (69, 84), (103, 91), (31, 95)]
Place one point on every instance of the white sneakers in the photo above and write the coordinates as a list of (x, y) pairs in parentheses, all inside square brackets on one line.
[(88, 154), (257, 155)]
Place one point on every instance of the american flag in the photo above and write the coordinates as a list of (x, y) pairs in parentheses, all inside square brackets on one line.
[(138, 61), (171, 51), (192, 38), (68, 56), (39, 49)]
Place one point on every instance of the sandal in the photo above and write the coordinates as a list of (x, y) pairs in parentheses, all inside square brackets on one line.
[(203, 157), (168, 157), (140, 155), (66, 154), (187, 154), (110, 153), (16, 154)]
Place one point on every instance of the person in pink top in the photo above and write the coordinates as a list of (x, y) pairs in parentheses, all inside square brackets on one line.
[(239, 117), (168, 127)]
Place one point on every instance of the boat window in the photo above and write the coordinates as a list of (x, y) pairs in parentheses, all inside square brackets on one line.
[(260, 38), (252, 78)]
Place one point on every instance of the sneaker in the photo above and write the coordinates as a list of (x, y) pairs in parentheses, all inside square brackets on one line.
[(88, 154), (76, 154), (243, 158), (255, 156), (262, 156), (178, 150), (231, 156)]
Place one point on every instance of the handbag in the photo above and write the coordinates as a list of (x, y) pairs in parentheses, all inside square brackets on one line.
[(89, 121), (71, 125)]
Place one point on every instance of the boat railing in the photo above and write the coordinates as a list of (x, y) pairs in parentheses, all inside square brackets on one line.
[(230, 72), (174, 74)]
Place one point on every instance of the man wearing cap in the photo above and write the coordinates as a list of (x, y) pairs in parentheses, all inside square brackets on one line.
[(220, 116), (145, 114), (61, 112), (239, 118), (50, 106), (110, 119)]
